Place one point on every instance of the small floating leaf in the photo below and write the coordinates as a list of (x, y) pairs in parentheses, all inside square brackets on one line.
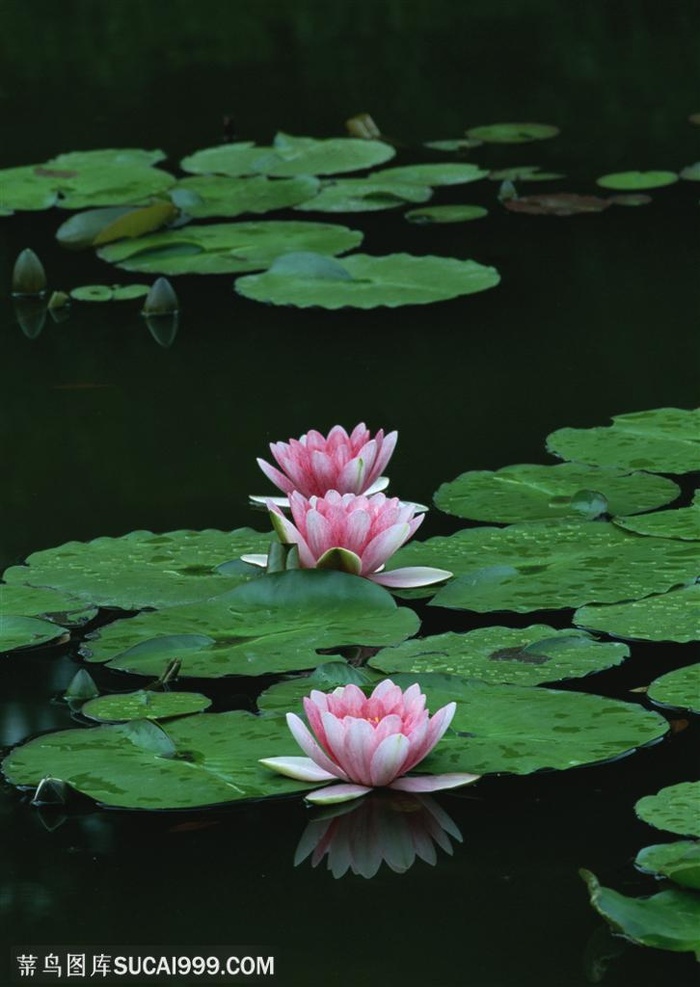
[(662, 440), (556, 204), (127, 292), (691, 173), (445, 214), (365, 195), (396, 279), (675, 809), (539, 493), (27, 632), (637, 180), (681, 687), (460, 144), (92, 293), (144, 704), (512, 133), (448, 173), (523, 173), (672, 616), (679, 862)]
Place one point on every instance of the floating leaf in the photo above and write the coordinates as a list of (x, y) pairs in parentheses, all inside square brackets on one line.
[(218, 196), (663, 440), (683, 523), (460, 144), (307, 156), (556, 204), (445, 214), (143, 569), (223, 248), (523, 656), (396, 279), (107, 157), (127, 292), (546, 565), (691, 173), (92, 293), (234, 159), (681, 687), (447, 173), (205, 759), (630, 200), (137, 222), (80, 230), (518, 729), (637, 180), (675, 809), (668, 920), (679, 862), (523, 173), (32, 601), (144, 704), (539, 493), (274, 624), (22, 189), (27, 632), (673, 616), (286, 696), (513, 133), (365, 195)]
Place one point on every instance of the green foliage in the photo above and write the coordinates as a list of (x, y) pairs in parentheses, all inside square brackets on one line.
[(144, 704), (679, 862), (625, 181), (672, 616), (675, 809), (27, 632)]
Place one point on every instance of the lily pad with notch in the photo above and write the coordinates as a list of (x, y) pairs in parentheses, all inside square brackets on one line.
[(365, 195), (28, 632), (675, 809), (144, 704)]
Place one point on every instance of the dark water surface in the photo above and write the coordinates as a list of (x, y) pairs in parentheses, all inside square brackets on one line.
[(104, 431)]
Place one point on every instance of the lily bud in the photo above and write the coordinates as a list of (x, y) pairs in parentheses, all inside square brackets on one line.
[(161, 299), (28, 275)]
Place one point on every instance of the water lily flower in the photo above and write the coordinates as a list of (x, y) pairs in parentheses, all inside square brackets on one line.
[(316, 463), (355, 534), (366, 742)]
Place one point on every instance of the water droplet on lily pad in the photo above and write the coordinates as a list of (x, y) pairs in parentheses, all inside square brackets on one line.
[(637, 180)]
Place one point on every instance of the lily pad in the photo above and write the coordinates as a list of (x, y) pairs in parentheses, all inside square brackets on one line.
[(523, 173), (513, 133), (92, 293), (691, 173), (679, 862), (445, 214), (365, 281), (523, 656), (556, 204), (518, 729), (223, 248), (31, 601), (79, 231), (672, 616), (637, 181), (460, 144), (219, 196), (27, 632), (365, 195), (235, 159), (668, 920), (286, 696), (675, 809), (443, 173), (683, 523), (144, 704), (127, 292), (274, 624), (548, 565), (108, 157), (292, 155), (662, 440), (143, 569), (539, 493), (679, 688), (205, 759)]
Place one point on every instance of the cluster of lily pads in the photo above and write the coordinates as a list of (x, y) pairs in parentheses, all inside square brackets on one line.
[(146, 220)]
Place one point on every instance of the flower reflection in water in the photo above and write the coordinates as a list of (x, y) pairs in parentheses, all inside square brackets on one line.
[(391, 828)]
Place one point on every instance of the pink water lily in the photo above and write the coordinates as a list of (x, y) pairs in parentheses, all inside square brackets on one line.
[(316, 463), (366, 742), (355, 534)]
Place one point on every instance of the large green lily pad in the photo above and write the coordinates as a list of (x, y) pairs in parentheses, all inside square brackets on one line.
[(540, 565), (512, 133), (108, 157), (143, 569), (663, 440), (679, 688), (27, 632), (442, 173), (365, 281), (679, 862), (235, 159), (541, 493), (683, 523), (518, 729), (668, 920), (673, 616), (205, 759), (675, 809), (144, 704), (365, 195), (31, 601), (273, 624), (223, 248), (636, 181), (223, 196), (516, 656)]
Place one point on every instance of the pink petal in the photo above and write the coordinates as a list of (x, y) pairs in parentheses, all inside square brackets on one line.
[(336, 793), (431, 783), (358, 749), (439, 722), (311, 748), (301, 768), (388, 759), (279, 479), (410, 577), (383, 546)]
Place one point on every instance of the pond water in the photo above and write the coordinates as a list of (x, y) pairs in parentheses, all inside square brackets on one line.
[(105, 430)]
